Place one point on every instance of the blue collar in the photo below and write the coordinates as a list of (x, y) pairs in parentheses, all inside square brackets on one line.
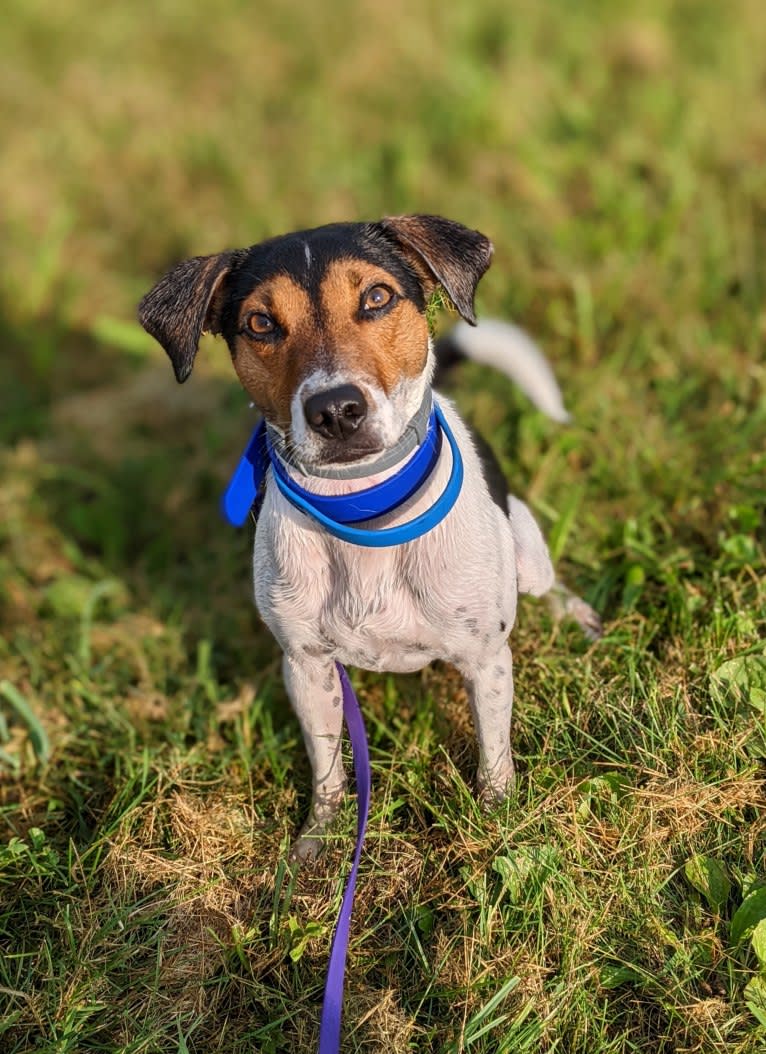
[(337, 513)]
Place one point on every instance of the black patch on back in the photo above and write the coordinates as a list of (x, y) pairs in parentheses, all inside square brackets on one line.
[(448, 355), (490, 468)]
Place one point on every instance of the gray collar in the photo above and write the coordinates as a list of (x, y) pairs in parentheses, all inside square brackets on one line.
[(413, 436)]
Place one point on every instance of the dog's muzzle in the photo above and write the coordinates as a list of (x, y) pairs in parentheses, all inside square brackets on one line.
[(336, 413)]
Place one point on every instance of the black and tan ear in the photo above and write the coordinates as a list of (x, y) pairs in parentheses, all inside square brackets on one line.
[(184, 304), (455, 257)]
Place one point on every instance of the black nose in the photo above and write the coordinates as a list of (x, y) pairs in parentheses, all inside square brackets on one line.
[(337, 412)]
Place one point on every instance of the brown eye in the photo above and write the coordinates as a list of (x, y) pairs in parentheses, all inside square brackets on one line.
[(259, 325), (376, 297)]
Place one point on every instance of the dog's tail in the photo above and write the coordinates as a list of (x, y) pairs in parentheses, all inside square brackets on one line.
[(510, 350)]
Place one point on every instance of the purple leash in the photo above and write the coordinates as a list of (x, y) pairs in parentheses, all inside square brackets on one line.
[(329, 1029)]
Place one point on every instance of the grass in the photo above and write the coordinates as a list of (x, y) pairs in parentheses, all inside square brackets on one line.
[(151, 774)]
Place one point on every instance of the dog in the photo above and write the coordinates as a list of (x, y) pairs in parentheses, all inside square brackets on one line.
[(329, 336)]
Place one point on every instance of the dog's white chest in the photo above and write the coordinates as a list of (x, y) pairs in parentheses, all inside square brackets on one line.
[(451, 594), (391, 610), (380, 628), (360, 606)]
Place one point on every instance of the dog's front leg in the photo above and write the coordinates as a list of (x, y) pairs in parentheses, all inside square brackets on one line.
[(490, 688), (315, 693)]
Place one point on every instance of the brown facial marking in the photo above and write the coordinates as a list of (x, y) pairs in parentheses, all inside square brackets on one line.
[(385, 348), (271, 371)]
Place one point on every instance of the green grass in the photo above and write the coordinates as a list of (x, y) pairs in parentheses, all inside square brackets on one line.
[(151, 773)]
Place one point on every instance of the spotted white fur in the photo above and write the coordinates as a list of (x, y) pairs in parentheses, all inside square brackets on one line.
[(448, 595)]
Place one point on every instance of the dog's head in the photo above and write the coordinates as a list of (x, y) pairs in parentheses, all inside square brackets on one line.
[(327, 328)]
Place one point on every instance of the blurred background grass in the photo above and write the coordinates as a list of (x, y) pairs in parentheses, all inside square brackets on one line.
[(151, 773)]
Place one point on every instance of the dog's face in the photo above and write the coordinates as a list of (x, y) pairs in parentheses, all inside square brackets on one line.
[(327, 327)]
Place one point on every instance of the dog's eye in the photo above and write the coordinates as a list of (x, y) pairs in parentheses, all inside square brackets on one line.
[(259, 325), (376, 297)]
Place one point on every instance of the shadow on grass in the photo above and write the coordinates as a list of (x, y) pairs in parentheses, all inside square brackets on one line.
[(134, 469), (117, 536)]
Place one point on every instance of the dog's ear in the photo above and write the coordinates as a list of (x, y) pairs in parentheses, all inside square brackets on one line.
[(184, 304), (454, 256)]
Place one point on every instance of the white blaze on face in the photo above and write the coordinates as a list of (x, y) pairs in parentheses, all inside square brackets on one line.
[(387, 415)]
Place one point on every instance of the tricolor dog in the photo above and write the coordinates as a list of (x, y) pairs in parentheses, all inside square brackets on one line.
[(328, 335)]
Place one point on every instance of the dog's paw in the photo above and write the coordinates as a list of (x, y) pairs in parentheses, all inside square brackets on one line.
[(564, 603), (587, 618), (492, 790), (311, 839), (307, 846)]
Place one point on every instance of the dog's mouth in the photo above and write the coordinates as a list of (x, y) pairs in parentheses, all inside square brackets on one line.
[(343, 454), (327, 456), (353, 430)]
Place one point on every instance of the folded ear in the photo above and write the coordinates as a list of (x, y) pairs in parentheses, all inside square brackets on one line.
[(534, 570), (185, 304), (453, 256)]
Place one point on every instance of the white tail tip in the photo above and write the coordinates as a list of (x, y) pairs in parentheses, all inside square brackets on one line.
[(509, 349)]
